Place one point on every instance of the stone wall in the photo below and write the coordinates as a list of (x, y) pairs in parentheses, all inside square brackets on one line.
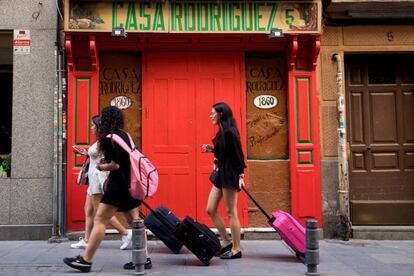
[(26, 197)]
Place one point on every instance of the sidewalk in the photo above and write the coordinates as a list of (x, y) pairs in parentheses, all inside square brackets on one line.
[(260, 257)]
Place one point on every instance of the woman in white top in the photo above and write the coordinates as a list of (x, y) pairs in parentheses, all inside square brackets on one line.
[(94, 194)]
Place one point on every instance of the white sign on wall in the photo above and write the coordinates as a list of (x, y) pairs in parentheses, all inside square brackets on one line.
[(265, 101), (122, 102), (21, 42)]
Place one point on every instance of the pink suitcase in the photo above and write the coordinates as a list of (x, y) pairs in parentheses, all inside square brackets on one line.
[(290, 230)]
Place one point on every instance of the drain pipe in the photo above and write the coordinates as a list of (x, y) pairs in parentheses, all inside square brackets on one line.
[(344, 224), (58, 145)]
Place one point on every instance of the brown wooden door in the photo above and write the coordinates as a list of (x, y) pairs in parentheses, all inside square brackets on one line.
[(380, 114)]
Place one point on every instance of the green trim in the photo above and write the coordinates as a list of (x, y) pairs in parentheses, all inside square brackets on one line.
[(76, 114), (305, 163), (297, 111)]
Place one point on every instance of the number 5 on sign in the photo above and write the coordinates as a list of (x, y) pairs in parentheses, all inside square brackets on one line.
[(289, 17)]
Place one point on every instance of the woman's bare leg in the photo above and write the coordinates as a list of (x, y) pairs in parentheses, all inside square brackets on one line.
[(89, 214), (113, 221), (230, 199), (212, 206), (103, 215)]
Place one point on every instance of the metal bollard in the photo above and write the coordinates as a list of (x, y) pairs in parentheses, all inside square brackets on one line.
[(139, 256), (312, 247)]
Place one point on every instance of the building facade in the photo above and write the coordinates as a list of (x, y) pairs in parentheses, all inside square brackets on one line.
[(177, 59), (366, 85), (27, 85)]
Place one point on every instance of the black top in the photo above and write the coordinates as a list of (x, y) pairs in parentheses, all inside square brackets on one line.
[(230, 159), (116, 192)]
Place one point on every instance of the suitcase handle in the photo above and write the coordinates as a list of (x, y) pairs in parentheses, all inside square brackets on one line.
[(161, 218), (269, 218), (141, 214)]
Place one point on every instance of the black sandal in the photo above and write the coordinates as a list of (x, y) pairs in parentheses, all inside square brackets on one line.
[(224, 249)]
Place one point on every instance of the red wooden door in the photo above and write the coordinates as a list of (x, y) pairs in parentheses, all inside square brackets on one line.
[(178, 92), (82, 105)]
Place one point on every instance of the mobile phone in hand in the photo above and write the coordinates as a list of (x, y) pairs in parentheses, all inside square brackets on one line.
[(79, 150)]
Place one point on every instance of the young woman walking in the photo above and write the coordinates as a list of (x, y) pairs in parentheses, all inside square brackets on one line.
[(95, 192), (116, 196), (230, 165)]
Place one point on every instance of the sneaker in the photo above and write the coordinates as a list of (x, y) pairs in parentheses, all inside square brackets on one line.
[(78, 263), (147, 265), (126, 240), (81, 244)]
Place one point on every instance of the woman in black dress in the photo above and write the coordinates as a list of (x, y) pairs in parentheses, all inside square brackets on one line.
[(116, 196), (229, 160)]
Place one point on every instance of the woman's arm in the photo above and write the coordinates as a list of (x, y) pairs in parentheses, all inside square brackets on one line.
[(108, 166), (207, 148)]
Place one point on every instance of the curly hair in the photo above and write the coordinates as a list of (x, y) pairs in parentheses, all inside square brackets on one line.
[(111, 120)]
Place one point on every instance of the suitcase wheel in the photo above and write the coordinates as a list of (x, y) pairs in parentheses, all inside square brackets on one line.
[(205, 261)]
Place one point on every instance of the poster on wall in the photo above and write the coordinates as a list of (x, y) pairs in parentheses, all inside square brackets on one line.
[(120, 86), (21, 42), (266, 93)]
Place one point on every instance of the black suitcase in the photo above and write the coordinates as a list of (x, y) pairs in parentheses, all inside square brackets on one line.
[(156, 222), (198, 238)]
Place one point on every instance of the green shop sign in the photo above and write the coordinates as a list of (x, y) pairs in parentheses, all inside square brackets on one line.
[(194, 17)]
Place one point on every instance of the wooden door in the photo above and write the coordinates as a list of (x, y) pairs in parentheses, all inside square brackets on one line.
[(380, 96), (179, 90), (168, 128), (82, 106)]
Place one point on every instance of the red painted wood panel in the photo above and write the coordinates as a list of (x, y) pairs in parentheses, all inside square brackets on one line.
[(303, 102), (82, 110), (304, 146), (168, 132), (178, 92), (82, 105)]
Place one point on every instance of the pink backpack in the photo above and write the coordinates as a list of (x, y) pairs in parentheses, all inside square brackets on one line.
[(144, 175)]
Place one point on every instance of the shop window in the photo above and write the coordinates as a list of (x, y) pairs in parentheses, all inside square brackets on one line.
[(266, 99), (6, 96), (120, 85)]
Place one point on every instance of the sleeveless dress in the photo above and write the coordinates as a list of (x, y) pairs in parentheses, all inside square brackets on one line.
[(96, 178)]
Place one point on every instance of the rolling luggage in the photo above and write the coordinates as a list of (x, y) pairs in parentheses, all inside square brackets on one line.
[(162, 223), (290, 230), (198, 238)]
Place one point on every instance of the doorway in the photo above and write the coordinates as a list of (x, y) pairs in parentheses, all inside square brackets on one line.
[(380, 112), (179, 90)]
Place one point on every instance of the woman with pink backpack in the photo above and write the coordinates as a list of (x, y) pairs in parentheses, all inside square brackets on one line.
[(116, 191)]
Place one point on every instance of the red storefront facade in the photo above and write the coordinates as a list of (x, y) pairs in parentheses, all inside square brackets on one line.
[(172, 85)]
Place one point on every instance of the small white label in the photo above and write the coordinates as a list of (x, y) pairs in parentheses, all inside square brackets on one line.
[(122, 102), (265, 101)]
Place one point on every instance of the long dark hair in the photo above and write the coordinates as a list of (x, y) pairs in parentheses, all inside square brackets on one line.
[(225, 121), (96, 120), (111, 120)]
